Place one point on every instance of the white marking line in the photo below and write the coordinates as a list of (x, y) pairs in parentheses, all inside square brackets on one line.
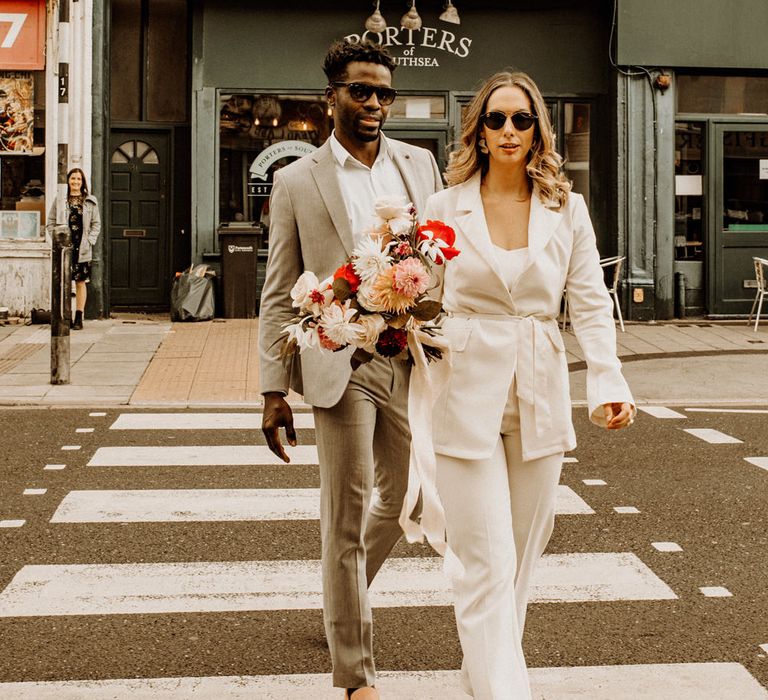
[(714, 437), (764, 647), (34, 492), (570, 460), (119, 589), (216, 505), (626, 509), (84, 430), (667, 546), (691, 681), (12, 523), (97, 414), (660, 412), (728, 410), (71, 447), (201, 421), (761, 462), (52, 467), (716, 592), (593, 482), (196, 455)]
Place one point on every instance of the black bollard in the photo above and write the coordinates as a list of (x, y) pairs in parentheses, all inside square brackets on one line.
[(61, 303)]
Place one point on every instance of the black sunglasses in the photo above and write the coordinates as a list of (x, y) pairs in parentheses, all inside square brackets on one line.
[(522, 121), (361, 92)]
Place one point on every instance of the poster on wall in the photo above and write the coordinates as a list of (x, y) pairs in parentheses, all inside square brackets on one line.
[(17, 115), (20, 224)]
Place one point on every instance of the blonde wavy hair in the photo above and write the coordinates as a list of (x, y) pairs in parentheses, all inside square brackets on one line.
[(544, 162)]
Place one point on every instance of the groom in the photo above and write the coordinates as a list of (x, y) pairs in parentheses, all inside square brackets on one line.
[(320, 205)]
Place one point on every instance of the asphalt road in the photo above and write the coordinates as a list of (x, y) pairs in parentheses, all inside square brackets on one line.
[(704, 497)]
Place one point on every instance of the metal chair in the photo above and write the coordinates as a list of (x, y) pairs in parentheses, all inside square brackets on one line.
[(613, 288), (761, 275)]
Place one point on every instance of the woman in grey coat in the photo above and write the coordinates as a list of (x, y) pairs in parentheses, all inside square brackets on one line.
[(84, 225)]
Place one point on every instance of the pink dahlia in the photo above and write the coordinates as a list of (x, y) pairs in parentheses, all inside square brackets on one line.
[(384, 296), (410, 278)]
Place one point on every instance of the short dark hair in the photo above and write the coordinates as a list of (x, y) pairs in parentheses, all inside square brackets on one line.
[(343, 53)]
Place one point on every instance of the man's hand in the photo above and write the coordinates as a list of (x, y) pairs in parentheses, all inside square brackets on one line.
[(277, 414), (617, 415)]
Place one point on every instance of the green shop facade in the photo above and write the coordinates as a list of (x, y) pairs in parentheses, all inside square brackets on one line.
[(660, 111)]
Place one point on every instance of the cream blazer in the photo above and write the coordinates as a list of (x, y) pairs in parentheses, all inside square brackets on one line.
[(497, 334)]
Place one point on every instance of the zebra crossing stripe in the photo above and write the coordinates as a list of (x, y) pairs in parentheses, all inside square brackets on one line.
[(660, 412), (198, 456), (198, 505), (761, 462), (729, 410), (714, 437), (681, 681), (201, 421), (120, 589)]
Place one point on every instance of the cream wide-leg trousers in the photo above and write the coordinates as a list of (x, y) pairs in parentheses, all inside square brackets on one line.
[(363, 441), (500, 513)]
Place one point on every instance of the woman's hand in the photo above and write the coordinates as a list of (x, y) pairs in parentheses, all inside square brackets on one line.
[(618, 415)]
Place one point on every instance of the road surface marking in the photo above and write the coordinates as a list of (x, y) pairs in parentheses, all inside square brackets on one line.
[(197, 455), (570, 460), (761, 462), (626, 509), (84, 430), (764, 647), (728, 410), (97, 414), (52, 467), (716, 592), (201, 421), (12, 523), (71, 447), (199, 505), (714, 437), (34, 492), (667, 546), (593, 482), (691, 681), (660, 412), (122, 589)]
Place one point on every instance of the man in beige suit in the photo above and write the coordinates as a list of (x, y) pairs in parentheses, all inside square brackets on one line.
[(320, 205)]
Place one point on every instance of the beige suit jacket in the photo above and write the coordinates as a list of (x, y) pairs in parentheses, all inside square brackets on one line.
[(497, 333), (310, 230)]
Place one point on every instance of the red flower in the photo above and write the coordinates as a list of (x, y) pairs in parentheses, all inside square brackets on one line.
[(438, 231), (347, 272), (392, 342)]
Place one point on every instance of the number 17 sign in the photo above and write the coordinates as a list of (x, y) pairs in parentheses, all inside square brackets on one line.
[(22, 35)]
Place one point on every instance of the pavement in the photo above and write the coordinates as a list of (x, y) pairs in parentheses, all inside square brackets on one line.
[(140, 360)]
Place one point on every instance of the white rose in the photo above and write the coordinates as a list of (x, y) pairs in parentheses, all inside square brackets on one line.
[(392, 208), (366, 297), (400, 226), (305, 285), (373, 325)]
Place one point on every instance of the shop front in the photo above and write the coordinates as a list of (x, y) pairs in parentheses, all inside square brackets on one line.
[(258, 94)]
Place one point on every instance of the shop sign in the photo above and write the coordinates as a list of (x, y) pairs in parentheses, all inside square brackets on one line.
[(22, 35), (406, 45), (260, 167), (17, 114)]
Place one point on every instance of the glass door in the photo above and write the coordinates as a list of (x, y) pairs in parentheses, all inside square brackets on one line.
[(740, 215)]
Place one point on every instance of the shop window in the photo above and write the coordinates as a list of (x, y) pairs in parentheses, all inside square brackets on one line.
[(22, 160), (259, 134), (689, 191), (722, 94), (745, 181), (414, 107)]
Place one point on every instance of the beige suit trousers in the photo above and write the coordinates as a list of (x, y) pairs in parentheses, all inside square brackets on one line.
[(363, 441), (500, 513)]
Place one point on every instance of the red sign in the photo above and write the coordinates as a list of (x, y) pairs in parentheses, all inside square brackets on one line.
[(22, 35)]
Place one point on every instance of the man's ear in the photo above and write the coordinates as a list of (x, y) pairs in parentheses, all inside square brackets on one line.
[(330, 95)]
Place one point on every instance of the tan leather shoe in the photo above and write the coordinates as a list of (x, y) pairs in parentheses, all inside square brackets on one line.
[(362, 693)]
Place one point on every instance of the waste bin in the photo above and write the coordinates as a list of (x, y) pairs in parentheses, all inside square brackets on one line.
[(239, 248)]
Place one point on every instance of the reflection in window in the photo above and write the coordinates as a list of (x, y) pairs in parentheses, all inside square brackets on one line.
[(417, 107), (722, 94), (745, 180), (689, 191), (248, 126), (576, 117)]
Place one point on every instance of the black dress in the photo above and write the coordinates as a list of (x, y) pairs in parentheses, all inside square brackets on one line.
[(81, 271)]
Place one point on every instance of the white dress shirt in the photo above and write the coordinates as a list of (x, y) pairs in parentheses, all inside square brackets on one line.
[(361, 186)]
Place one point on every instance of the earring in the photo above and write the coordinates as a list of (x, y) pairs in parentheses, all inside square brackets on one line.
[(482, 146)]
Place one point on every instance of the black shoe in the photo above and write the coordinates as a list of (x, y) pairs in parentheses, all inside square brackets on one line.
[(77, 325)]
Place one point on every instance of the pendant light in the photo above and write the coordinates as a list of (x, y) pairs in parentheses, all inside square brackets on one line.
[(451, 14), (411, 19), (376, 22)]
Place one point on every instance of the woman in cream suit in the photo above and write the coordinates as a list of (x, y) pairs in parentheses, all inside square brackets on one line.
[(502, 420)]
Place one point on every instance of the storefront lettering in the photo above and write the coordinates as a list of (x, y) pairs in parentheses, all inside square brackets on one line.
[(275, 152), (411, 39)]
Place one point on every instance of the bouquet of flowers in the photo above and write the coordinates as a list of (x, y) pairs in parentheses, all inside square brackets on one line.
[(379, 294)]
